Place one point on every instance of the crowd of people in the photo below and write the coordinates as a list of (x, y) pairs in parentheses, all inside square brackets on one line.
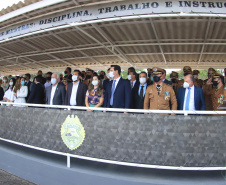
[(146, 90)]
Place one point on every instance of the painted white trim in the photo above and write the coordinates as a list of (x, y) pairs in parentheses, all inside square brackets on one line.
[(115, 162), (65, 107)]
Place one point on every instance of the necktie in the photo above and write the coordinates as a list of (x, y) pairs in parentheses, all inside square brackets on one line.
[(188, 99), (112, 93), (131, 85), (142, 92)]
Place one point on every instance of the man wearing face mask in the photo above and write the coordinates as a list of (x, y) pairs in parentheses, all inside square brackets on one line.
[(190, 97), (107, 80), (68, 75), (174, 80), (164, 78), (132, 78), (217, 92), (159, 96), (118, 91), (207, 95), (196, 77), (138, 92), (89, 76), (76, 91), (48, 79), (43, 80), (55, 93)]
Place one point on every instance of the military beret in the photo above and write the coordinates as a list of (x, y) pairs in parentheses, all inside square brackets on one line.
[(157, 70)]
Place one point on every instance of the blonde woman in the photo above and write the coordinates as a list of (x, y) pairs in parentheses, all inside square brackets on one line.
[(94, 94)]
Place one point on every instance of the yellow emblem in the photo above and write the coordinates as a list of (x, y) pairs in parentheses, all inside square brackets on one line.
[(72, 132)]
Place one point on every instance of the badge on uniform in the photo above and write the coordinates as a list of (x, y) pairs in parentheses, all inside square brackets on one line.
[(167, 95), (220, 98)]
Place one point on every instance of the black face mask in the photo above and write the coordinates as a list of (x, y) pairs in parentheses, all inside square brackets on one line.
[(65, 72), (101, 76), (88, 76), (48, 78), (174, 80), (61, 79), (82, 75), (215, 83), (156, 78), (185, 74)]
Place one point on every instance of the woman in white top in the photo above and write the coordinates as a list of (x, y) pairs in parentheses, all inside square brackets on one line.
[(20, 91), (8, 96)]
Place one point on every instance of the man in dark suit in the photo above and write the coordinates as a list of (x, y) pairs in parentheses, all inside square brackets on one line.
[(138, 92), (118, 91), (106, 81), (43, 80), (55, 93), (165, 80), (190, 97), (28, 84), (37, 92), (76, 91), (132, 77)]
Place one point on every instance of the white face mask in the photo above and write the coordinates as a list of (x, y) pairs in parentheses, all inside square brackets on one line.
[(143, 80), (74, 78), (10, 83), (111, 75), (95, 82), (4, 81), (129, 77), (186, 85)]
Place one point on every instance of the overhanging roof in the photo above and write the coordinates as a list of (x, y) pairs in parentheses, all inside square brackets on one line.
[(142, 41)]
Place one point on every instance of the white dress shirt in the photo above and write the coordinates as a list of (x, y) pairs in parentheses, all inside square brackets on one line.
[(21, 94), (116, 82), (192, 98), (132, 83), (53, 93), (74, 94)]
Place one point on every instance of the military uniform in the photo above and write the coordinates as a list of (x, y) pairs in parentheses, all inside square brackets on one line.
[(207, 89), (161, 101), (199, 82), (174, 75), (217, 95)]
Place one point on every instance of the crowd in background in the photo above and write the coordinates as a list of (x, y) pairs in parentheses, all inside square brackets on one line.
[(146, 90)]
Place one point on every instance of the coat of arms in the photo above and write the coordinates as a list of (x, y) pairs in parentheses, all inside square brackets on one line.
[(72, 132)]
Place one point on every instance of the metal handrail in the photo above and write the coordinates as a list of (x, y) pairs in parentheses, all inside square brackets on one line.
[(148, 111)]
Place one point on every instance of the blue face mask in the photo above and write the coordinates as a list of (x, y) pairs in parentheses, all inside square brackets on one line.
[(23, 82), (152, 79), (53, 81)]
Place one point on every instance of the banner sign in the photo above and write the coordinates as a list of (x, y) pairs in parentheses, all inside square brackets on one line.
[(117, 9)]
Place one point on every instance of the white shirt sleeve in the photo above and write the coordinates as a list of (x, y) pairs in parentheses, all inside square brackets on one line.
[(22, 93)]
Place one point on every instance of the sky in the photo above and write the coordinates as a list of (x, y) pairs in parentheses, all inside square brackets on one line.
[(6, 3)]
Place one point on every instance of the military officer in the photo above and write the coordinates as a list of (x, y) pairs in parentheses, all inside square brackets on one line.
[(197, 80), (174, 80), (207, 95), (159, 96), (218, 92)]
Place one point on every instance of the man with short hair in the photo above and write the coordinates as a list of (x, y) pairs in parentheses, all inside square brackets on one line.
[(89, 76), (37, 92), (132, 79), (48, 79), (118, 91), (68, 75), (138, 92), (43, 80), (55, 93), (76, 91), (27, 77), (190, 97), (107, 80), (159, 96)]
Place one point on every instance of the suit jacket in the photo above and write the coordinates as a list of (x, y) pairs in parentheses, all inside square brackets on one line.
[(137, 102), (29, 91), (59, 96), (105, 83), (1, 93), (81, 94), (122, 94), (37, 94), (198, 98)]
